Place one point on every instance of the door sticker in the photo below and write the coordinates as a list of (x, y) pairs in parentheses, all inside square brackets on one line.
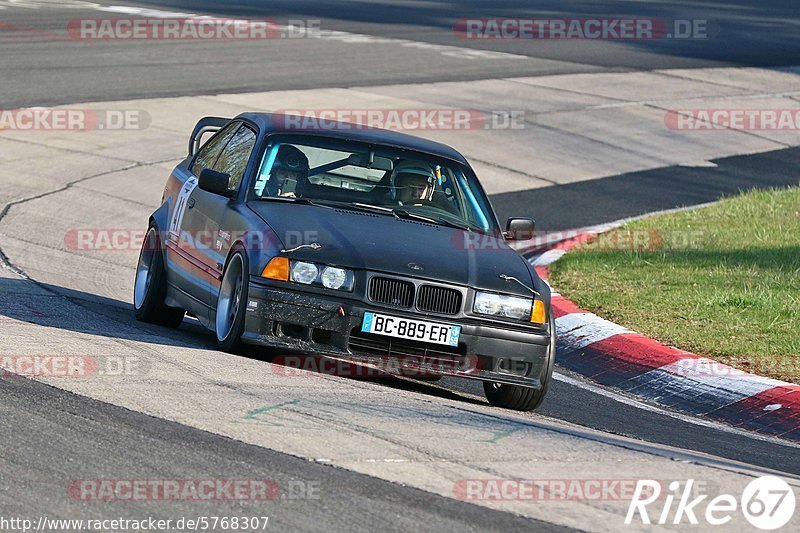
[(180, 206)]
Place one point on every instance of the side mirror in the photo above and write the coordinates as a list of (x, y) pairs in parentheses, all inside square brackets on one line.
[(519, 229), (215, 182)]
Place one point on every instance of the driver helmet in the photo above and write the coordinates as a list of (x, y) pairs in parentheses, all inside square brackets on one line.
[(289, 171), (412, 180)]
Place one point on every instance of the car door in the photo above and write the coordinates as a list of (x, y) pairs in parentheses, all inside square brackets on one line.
[(205, 240)]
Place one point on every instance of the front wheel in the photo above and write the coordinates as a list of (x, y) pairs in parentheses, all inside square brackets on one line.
[(524, 398), (150, 286), (231, 303)]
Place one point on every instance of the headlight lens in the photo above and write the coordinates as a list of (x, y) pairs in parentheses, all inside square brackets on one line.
[(303, 272), (487, 303), (333, 278), (329, 277)]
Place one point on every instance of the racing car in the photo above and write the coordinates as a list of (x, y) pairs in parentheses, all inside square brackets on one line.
[(351, 243)]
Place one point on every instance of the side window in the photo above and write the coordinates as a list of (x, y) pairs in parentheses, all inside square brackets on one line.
[(233, 159), (210, 151)]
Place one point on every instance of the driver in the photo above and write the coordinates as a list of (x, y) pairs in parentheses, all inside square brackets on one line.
[(289, 172), (412, 182)]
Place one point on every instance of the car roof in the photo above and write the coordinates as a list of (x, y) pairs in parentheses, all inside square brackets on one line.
[(279, 123)]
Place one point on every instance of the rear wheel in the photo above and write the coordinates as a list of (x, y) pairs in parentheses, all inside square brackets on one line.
[(150, 286), (524, 398), (231, 303)]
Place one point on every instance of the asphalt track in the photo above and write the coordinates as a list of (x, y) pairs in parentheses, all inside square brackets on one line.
[(42, 66), (50, 436), (81, 431)]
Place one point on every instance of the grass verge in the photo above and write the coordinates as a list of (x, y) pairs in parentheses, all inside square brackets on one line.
[(721, 281)]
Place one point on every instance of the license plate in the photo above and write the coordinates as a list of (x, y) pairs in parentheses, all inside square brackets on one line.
[(406, 328)]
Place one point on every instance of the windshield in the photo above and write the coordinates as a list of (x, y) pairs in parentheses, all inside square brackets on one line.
[(396, 182)]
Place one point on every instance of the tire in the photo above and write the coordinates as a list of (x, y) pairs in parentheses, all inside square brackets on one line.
[(150, 286), (231, 303), (524, 398)]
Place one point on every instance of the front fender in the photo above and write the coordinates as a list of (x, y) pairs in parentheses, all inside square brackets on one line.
[(540, 286), (261, 249)]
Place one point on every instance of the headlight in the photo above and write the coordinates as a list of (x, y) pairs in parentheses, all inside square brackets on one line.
[(303, 272), (322, 275), (333, 278), (487, 303)]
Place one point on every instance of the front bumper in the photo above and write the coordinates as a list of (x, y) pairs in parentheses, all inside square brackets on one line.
[(321, 325)]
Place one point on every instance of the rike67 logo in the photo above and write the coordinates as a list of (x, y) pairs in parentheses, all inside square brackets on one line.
[(767, 503)]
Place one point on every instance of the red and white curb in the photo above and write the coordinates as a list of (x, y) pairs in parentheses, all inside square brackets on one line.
[(616, 357)]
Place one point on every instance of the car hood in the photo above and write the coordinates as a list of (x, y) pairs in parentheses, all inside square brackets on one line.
[(383, 243)]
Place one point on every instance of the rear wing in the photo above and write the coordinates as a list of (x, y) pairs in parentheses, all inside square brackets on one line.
[(205, 125)]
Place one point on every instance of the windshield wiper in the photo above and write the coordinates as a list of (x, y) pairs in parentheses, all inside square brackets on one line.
[(408, 215), (353, 206), (370, 207), (402, 213), (292, 200), (358, 206)]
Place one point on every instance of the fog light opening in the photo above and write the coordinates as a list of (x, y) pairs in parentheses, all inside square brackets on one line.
[(292, 331), (321, 336), (515, 367)]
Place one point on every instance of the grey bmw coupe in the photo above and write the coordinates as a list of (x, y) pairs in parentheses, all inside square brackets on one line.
[(350, 243)]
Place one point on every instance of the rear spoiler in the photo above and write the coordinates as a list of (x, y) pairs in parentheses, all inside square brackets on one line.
[(205, 125)]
